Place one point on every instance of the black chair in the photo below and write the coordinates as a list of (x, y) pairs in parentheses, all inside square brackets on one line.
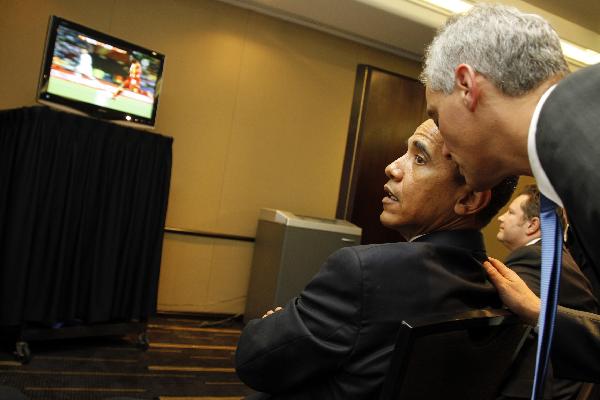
[(464, 356), (589, 391)]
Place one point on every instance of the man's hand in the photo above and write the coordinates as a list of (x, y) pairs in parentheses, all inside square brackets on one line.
[(513, 291), (272, 312)]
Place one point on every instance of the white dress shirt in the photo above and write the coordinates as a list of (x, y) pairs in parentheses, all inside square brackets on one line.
[(543, 183)]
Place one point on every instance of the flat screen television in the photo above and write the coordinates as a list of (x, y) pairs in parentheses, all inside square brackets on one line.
[(100, 75)]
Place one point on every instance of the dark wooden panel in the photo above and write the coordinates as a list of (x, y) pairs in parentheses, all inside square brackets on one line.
[(386, 110)]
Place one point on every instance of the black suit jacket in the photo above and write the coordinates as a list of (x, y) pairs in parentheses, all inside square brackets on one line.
[(575, 292), (568, 145), (335, 339)]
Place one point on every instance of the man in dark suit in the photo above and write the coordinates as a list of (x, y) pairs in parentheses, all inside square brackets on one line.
[(520, 232), (334, 341), (496, 87)]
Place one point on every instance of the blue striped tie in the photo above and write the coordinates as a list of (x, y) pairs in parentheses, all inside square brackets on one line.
[(550, 278)]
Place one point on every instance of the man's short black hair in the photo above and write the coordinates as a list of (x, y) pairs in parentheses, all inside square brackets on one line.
[(501, 193)]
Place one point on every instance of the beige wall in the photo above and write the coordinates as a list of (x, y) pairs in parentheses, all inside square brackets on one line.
[(258, 107), (259, 110)]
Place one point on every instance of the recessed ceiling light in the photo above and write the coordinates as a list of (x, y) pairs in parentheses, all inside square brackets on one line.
[(449, 6), (579, 54), (576, 54)]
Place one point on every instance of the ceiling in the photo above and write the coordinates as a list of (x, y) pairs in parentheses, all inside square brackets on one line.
[(405, 28), (585, 13)]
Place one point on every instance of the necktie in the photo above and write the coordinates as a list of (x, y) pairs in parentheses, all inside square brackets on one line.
[(550, 278)]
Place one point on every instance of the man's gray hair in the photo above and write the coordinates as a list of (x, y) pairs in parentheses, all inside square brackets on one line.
[(514, 50)]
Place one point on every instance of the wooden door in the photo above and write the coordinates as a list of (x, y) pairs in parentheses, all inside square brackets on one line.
[(386, 110)]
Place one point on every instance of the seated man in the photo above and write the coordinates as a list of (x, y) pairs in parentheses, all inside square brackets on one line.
[(334, 341), (520, 233)]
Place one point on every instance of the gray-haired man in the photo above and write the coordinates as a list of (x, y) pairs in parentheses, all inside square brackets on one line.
[(492, 78)]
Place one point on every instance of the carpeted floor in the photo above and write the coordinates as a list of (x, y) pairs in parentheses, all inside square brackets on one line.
[(188, 359)]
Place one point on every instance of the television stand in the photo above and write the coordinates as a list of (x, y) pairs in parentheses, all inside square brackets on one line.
[(25, 334)]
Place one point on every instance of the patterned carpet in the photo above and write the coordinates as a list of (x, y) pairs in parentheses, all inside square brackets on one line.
[(188, 359)]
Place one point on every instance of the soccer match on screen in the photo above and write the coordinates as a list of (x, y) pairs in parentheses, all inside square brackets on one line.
[(88, 70)]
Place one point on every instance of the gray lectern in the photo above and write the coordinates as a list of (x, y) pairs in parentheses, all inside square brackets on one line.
[(288, 252)]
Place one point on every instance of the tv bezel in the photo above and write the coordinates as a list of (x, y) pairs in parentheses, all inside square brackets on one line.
[(94, 110)]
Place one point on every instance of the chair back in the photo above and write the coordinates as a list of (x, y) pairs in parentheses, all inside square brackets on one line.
[(588, 391), (463, 356)]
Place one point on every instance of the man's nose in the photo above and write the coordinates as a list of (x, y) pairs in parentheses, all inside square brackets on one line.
[(393, 170), (501, 218)]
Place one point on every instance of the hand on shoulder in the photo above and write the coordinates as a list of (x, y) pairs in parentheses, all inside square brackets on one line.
[(513, 291)]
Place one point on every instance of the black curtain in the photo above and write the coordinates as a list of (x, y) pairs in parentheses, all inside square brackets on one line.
[(82, 213)]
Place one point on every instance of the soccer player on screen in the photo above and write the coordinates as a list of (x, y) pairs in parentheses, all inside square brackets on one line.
[(133, 81), (84, 66)]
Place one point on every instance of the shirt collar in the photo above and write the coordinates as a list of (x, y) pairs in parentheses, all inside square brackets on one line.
[(533, 241), (416, 237)]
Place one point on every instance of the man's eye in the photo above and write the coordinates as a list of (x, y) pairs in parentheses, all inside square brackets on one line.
[(419, 159)]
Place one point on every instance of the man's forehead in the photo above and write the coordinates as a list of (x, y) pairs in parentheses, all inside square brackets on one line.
[(518, 201), (430, 95), (429, 132), (432, 98)]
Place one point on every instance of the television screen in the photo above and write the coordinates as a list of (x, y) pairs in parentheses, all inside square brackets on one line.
[(100, 75)]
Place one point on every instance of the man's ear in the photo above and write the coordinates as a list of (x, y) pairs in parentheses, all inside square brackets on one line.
[(533, 225), (472, 202), (466, 82)]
